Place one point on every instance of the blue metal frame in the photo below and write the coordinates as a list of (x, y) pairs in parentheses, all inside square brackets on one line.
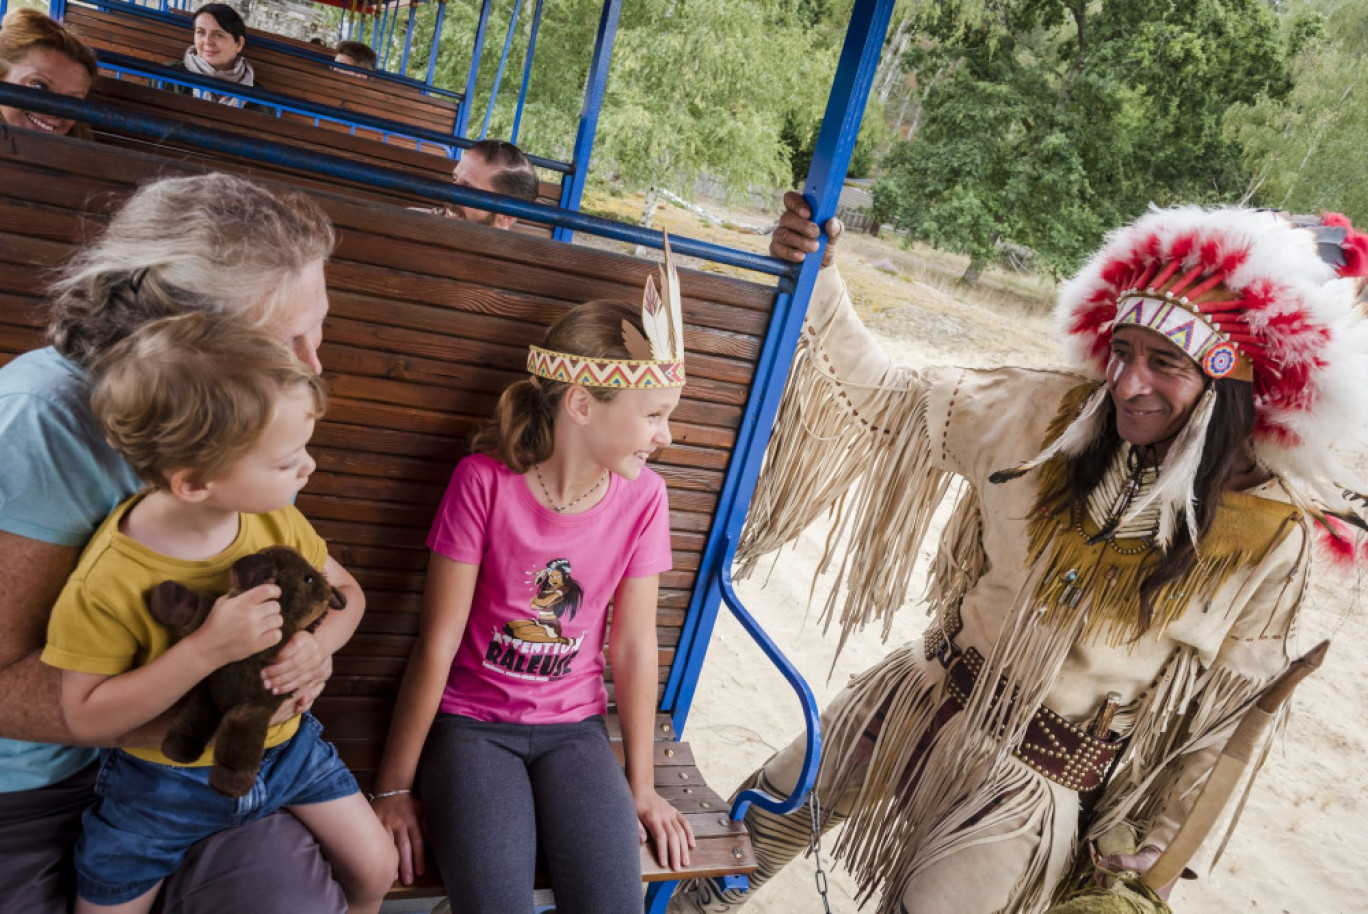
[(157, 127), (503, 62), (436, 42), (463, 119), (388, 40), (594, 86), (408, 39), (527, 73), (378, 29), (822, 190)]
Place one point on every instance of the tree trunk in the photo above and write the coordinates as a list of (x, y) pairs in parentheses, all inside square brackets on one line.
[(648, 208), (890, 63), (975, 269)]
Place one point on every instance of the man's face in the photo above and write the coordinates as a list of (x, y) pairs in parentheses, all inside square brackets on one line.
[(1153, 384), (474, 171)]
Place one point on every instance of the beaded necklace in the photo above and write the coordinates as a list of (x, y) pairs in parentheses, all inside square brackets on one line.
[(551, 502)]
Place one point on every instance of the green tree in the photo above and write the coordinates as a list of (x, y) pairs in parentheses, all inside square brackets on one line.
[(1306, 151), (694, 87), (1056, 119)]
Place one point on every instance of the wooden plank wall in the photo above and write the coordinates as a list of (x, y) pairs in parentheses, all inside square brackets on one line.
[(309, 79), (430, 320)]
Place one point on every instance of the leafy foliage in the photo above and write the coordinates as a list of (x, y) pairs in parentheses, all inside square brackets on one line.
[(1060, 119), (1306, 151)]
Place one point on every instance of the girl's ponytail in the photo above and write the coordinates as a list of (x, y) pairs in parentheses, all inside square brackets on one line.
[(520, 432)]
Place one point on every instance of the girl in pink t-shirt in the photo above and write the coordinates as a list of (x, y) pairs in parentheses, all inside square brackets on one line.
[(498, 743)]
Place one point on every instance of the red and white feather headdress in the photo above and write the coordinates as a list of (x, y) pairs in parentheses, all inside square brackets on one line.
[(1271, 299), (657, 358)]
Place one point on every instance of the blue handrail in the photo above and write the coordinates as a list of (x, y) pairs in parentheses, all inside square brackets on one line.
[(141, 67), (812, 754), (346, 120), (153, 126)]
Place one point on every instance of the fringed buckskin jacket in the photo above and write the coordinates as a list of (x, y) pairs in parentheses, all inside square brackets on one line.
[(1054, 618)]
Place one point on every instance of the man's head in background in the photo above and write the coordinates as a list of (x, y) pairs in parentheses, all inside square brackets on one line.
[(355, 54), (498, 167)]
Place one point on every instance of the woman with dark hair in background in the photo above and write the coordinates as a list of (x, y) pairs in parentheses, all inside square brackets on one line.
[(220, 36)]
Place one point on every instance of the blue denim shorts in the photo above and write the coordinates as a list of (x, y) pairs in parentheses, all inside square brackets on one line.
[(148, 815)]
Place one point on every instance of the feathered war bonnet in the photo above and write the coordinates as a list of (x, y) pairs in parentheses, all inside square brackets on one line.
[(657, 358), (1253, 295)]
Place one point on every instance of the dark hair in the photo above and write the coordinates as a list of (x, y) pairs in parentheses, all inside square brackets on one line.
[(520, 433), (516, 176), (363, 54), (1232, 424), (228, 19)]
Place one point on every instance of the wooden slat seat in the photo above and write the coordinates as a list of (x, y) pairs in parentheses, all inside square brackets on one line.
[(310, 79), (430, 320), (143, 99)]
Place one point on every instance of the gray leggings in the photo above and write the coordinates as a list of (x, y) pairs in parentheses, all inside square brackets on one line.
[(492, 793)]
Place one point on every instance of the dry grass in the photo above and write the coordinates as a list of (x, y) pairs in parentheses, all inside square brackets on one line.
[(906, 293)]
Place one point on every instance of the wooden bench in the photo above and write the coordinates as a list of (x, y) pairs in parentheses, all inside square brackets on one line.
[(430, 320), (158, 41), (141, 99)]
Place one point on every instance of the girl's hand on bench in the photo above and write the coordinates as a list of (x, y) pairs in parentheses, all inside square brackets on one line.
[(666, 826), (399, 814)]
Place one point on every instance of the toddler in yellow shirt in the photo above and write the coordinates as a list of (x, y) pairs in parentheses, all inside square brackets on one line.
[(215, 417)]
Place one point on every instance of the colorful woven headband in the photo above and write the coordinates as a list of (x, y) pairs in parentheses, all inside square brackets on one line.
[(624, 374), (657, 357), (1185, 325)]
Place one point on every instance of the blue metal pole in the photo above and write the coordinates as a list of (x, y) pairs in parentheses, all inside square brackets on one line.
[(388, 35), (408, 39), (436, 43), (822, 190), (573, 189), (57, 9), (463, 116), (503, 61), (378, 26), (527, 73), (830, 161)]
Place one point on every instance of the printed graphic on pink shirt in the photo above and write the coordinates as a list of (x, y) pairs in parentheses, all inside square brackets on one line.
[(537, 649)]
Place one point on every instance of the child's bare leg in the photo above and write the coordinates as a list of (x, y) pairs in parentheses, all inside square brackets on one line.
[(362, 853), (140, 905)]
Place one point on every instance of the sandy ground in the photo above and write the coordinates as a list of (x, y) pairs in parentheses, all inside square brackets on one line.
[(1299, 845)]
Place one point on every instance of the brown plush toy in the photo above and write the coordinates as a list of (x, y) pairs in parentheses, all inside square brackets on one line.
[(232, 700)]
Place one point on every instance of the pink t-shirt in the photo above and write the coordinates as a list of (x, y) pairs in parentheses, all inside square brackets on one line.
[(533, 646)]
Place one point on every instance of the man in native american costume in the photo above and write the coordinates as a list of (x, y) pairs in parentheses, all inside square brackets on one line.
[(1141, 529)]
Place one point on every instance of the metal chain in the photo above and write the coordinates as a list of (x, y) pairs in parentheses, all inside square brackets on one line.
[(815, 847)]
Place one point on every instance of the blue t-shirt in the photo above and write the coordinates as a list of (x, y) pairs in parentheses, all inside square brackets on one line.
[(60, 480)]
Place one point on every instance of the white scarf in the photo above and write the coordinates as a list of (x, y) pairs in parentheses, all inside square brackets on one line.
[(240, 72)]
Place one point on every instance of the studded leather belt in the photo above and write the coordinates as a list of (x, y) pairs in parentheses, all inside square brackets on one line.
[(1060, 750)]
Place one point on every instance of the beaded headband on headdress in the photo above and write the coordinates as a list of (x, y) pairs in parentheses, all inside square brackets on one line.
[(657, 358), (1258, 282), (1247, 294)]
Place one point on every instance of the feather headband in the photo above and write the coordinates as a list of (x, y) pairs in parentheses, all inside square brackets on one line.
[(657, 356), (1255, 295)]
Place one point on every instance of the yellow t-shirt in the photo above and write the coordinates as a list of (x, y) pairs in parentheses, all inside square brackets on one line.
[(101, 624)]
